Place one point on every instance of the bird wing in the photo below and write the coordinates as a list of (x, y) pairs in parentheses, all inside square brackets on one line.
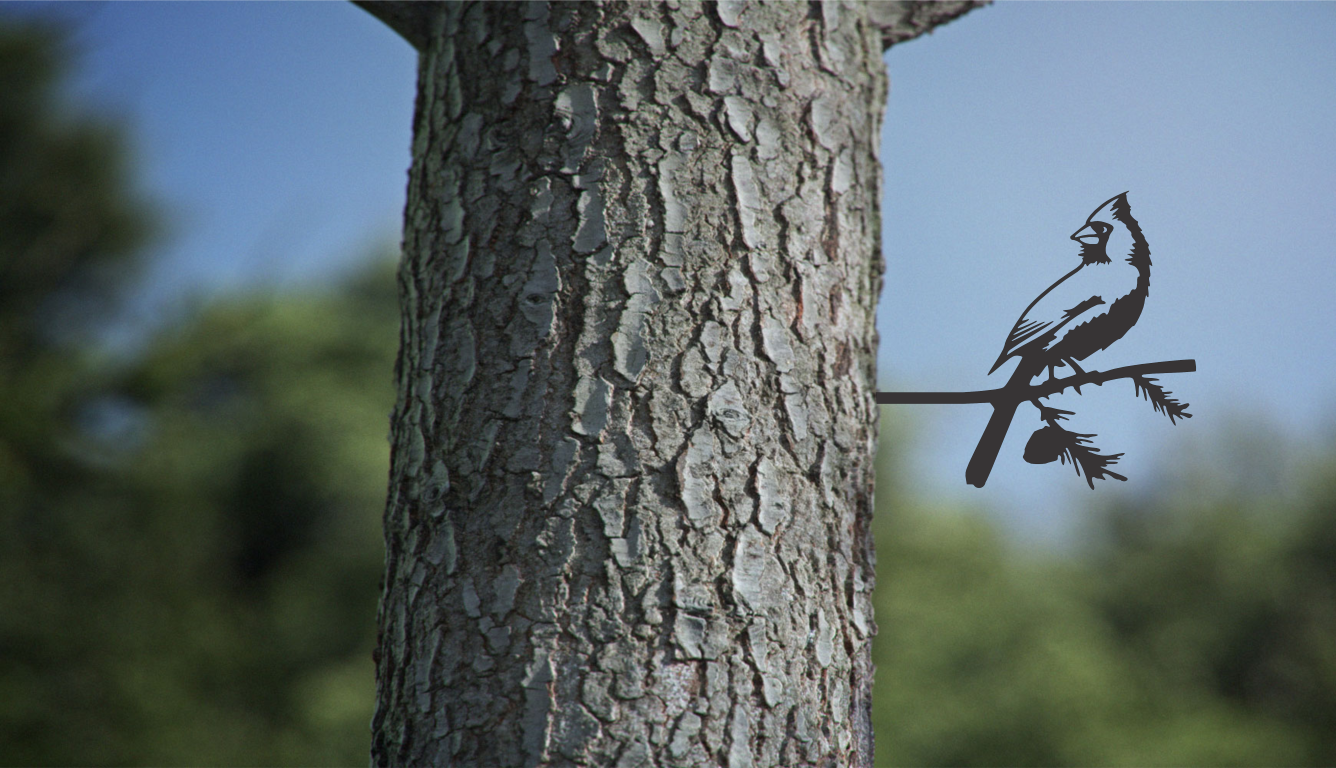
[(1076, 296)]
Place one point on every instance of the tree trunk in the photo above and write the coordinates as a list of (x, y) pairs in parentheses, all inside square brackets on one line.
[(632, 452)]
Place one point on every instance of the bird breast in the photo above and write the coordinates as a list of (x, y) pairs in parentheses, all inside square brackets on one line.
[(1094, 308)]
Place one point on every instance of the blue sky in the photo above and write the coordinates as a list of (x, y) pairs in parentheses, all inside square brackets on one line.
[(275, 134), (278, 137)]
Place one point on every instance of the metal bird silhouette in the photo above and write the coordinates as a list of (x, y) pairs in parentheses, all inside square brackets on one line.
[(1085, 311)]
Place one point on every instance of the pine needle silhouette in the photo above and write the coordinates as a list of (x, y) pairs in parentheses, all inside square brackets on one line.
[(1160, 399), (1054, 442)]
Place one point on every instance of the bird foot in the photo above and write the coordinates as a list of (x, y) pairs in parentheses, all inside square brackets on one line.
[(1078, 372)]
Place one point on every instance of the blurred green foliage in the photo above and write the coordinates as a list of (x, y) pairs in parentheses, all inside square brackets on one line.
[(205, 592), (71, 229), (189, 539), (71, 223), (190, 545), (1195, 625)]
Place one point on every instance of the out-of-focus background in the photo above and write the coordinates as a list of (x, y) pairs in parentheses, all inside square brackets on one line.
[(198, 211)]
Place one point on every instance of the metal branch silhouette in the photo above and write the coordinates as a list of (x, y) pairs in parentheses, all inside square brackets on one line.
[(1018, 395), (1069, 321)]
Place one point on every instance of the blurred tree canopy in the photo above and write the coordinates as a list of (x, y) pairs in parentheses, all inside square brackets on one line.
[(72, 228), (189, 539), (190, 543), (72, 225), (1195, 626), (206, 593)]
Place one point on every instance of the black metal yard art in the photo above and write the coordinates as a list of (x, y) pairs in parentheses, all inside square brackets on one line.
[(1085, 311)]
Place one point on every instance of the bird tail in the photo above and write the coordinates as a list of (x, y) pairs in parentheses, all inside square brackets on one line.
[(985, 454)]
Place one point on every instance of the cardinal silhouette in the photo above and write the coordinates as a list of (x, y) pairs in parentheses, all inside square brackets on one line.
[(1085, 311)]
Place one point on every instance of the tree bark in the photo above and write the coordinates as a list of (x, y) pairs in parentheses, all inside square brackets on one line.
[(631, 478)]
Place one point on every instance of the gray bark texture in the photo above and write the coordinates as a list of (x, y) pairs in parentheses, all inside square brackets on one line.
[(631, 484)]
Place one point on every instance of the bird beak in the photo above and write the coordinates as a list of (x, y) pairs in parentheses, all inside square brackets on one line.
[(1086, 235)]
